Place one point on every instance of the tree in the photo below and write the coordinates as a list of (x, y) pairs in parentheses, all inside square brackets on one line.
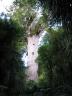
[(59, 11), (24, 12), (54, 63), (12, 74)]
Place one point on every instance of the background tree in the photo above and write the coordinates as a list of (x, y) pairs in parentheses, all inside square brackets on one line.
[(59, 12), (54, 63), (12, 75)]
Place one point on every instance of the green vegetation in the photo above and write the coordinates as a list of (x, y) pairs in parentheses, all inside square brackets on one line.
[(24, 13), (12, 75), (54, 56)]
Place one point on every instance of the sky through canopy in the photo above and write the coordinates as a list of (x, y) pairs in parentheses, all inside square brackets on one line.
[(5, 5)]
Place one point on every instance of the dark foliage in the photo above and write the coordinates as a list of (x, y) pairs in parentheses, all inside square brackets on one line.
[(59, 11), (59, 55), (55, 63), (12, 75)]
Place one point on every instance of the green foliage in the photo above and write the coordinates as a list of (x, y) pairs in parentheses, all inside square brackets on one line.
[(24, 16), (24, 13), (23, 2), (55, 56), (12, 73), (54, 59)]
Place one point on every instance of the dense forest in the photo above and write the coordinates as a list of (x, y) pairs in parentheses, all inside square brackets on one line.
[(54, 54)]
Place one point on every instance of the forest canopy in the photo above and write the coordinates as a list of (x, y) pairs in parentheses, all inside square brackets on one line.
[(54, 56)]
